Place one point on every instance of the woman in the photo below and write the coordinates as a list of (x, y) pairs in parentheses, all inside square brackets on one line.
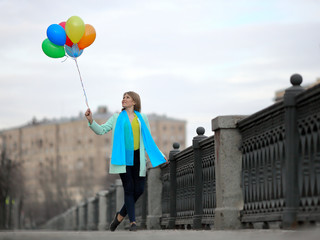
[(131, 138)]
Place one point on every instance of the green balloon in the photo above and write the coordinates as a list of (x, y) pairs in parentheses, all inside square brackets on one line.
[(52, 50)]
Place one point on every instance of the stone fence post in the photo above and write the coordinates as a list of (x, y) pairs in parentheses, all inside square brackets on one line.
[(83, 216), (92, 213), (119, 200), (111, 204), (103, 210), (75, 218), (68, 223), (228, 161), (154, 190), (144, 200), (61, 221), (17, 213)]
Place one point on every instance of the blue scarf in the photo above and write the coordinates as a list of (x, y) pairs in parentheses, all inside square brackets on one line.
[(122, 150)]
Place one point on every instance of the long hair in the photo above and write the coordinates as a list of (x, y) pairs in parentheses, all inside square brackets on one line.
[(136, 98)]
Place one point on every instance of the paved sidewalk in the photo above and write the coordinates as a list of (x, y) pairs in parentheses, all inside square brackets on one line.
[(164, 235)]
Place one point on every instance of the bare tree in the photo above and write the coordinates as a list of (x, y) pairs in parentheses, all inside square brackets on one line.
[(53, 185), (11, 186)]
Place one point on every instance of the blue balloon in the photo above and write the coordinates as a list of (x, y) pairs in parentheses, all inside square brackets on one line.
[(56, 34), (73, 51)]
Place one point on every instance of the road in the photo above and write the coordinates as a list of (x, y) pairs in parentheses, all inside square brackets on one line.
[(313, 234)]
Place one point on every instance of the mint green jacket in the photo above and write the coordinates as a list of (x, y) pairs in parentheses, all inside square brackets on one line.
[(110, 125)]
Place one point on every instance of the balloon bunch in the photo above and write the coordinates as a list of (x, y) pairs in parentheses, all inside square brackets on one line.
[(69, 38)]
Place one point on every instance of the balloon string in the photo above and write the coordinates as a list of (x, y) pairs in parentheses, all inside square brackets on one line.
[(84, 91), (65, 59)]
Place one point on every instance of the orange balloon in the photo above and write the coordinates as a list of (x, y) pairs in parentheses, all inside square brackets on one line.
[(88, 37)]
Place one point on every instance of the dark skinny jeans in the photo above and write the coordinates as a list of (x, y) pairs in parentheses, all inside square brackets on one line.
[(133, 186)]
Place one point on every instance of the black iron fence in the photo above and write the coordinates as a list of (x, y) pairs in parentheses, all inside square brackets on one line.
[(262, 165), (308, 121), (188, 198), (165, 196), (185, 195), (209, 181), (281, 160)]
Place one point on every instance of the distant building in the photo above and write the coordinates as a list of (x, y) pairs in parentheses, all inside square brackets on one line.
[(280, 93), (67, 153)]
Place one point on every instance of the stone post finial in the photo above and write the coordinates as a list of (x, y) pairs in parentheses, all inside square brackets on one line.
[(200, 131), (176, 146), (296, 79)]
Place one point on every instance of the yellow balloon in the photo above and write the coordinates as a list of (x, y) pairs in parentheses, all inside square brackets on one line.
[(75, 28)]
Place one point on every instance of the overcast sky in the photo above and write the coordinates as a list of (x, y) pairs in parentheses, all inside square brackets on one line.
[(188, 59)]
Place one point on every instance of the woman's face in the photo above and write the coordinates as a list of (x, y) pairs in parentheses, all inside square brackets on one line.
[(127, 101)]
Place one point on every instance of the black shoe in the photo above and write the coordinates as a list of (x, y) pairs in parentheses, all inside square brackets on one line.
[(114, 223), (133, 227)]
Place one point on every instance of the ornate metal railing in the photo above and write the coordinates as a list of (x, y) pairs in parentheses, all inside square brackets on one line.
[(185, 187), (281, 160), (262, 164), (165, 178), (308, 115), (188, 197), (209, 180)]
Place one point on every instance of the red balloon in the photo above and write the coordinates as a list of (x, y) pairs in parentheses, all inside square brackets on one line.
[(68, 42)]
